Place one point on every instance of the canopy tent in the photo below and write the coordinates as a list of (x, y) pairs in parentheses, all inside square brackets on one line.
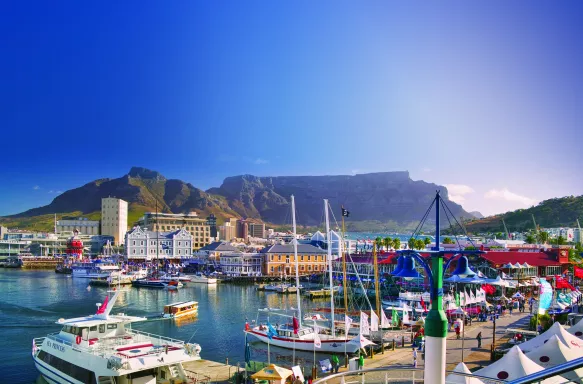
[(498, 281), (361, 341), (526, 265), (458, 379), (273, 373), (517, 266), (558, 330), (518, 295), (577, 329), (514, 365), (508, 266), (554, 352), (501, 298)]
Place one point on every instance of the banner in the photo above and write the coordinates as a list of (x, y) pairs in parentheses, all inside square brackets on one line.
[(546, 296), (384, 321), (578, 272), (364, 327), (374, 321), (347, 325)]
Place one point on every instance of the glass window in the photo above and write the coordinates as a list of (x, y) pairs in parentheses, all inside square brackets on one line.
[(111, 326), (101, 328)]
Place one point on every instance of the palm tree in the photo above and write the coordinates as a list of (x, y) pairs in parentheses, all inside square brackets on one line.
[(378, 241), (427, 241), (543, 237), (411, 243), (530, 239), (419, 244), (447, 240), (387, 242), (397, 243)]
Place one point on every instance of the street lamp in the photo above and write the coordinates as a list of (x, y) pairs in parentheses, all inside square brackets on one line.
[(436, 321)]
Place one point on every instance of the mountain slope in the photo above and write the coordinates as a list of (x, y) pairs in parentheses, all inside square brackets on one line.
[(559, 212)]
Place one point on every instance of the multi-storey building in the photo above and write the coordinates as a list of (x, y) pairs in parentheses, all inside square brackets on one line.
[(279, 260), (146, 245), (190, 222), (241, 264), (257, 230), (211, 221), (81, 224), (242, 229), (114, 218), (227, 231)]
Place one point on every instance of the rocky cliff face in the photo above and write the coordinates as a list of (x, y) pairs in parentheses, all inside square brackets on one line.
[(383, 197)]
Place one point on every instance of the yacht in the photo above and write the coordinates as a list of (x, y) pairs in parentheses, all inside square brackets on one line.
[(149, 283), (103, 348), (93, 269), (137, 274), (202, 279)]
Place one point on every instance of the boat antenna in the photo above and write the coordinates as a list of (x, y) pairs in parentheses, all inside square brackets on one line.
[(295, 240)]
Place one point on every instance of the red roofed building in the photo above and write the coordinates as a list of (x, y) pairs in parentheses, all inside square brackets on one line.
[(551, 261)]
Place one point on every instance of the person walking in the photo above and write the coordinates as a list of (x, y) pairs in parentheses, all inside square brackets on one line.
[(414, 357), (479, 338), (361, 362), (335, 363)]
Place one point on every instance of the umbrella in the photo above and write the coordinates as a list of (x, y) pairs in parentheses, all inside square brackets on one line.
[(517, 295), (272, 372), (455, 379)]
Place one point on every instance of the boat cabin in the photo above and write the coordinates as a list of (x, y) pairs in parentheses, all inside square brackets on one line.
[(88, 331), (180, 308)]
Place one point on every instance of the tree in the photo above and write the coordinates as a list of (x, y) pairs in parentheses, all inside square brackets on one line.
[(397, 243), (427, 241), (530, 239), (379, 242), (388, 242), (419, 244), (447, 240), (542, 237), (411, 243)]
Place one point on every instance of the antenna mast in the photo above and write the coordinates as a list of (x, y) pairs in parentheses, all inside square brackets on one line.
[(506, 230), (535, 227)]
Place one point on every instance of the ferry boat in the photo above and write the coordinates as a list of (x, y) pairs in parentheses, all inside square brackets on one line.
[(184, 308), (102, 348), (93, 269)]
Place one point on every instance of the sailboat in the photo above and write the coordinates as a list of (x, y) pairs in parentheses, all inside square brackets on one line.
[(294, 334)]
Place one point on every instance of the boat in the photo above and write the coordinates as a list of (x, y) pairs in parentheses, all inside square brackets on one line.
[(173, 284), (103, 348), (63, 269), (149, 282), (175, 276), (11, 262), (137, 274), (202, 279), (93, 269), (180, 309)]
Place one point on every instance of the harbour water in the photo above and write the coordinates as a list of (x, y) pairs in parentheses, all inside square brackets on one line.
[(33, 300)]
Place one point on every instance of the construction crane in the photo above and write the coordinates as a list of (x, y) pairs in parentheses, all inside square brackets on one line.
[(580, 233), (535, 227), (506, 230)]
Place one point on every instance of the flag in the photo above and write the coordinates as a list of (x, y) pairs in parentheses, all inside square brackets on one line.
[(374, 321), (271, 331), (247, 352), (364, 327), (317, 341), (103, 306), (384, 321), (423, 304), (395, 317), (468, 297), (345, 213), (578, 272), (347, 324), (405, 314), (457, 299), (296, 325)]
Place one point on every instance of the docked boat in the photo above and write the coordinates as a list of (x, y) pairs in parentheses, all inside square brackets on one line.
[(102, 348), (175, 277), (173, 284), (137, 274), (202, 279), (149, 283), (183, 308), (93, 269)]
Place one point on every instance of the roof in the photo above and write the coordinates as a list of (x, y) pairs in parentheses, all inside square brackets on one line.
[(558, 330), (89, 321), (535, 259), (289, 248), (219, 246), (555, 352), (181, 304)]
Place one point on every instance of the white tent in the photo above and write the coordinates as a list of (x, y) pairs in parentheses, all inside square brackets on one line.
[(517, 295), (509, 265), (526, 265), (517, 266), (458, 379), (361, 341), (558, 330), (498, 281), (577, 329), (512, 366), (554, 352)]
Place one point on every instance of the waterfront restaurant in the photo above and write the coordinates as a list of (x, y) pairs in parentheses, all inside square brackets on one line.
[(533, 261), (279, 260), (241, 264)]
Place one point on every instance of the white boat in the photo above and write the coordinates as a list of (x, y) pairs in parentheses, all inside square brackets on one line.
[(175, 277), (137, 274), (102, 348), (202, 279), (273, 287), (93, 269)]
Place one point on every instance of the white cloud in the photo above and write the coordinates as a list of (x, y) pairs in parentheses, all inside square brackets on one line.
[(426, 169), (260, 161), (505, 194), (458, 192), (36, 187), (51, 191)]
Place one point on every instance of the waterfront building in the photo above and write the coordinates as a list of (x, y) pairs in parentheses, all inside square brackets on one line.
[(190, 222), (279, 259), (241, 264), (228, 231), (257, 230), (216, 249), (578, 236), (543, 261), (146, 245), (114, 218), (80, 224)]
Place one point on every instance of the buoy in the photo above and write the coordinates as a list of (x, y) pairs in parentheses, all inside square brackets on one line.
[(88, 287), (78, 339)]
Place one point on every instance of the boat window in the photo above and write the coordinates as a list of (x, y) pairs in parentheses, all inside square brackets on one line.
[(79, 373), (101, 328), (93, 329)]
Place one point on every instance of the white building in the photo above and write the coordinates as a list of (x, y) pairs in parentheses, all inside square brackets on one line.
[(81, 224), (147, 245), (227, 231), (114, 218), (241, 264)]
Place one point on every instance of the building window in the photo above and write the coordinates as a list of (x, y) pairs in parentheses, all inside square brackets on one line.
[(134, 242), (279, 258), (271, 269), (302, 258), (309, 267)]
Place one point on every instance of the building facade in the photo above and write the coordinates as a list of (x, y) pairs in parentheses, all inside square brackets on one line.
[(83, 225), (227, 231), (142, 244), (242, 264), (257, 230), (114, 218), (242, 229), (211, 221), (280, 260), (166, 222)]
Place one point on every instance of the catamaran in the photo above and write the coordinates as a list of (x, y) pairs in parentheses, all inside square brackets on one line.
[(295, 335), (102, 348)]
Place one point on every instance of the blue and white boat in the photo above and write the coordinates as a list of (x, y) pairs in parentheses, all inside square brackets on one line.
[(94, 269)]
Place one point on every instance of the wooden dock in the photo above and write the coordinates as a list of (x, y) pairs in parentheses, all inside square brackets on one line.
[(40, 262), (210, 371)]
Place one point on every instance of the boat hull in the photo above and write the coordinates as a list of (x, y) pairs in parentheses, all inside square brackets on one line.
[(148, 284), (53, 376), (333, 346)]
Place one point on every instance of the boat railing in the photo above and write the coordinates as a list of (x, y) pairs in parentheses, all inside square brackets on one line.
[(161, 339)]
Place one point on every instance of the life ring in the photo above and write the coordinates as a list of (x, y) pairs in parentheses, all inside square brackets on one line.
[(78, 339)]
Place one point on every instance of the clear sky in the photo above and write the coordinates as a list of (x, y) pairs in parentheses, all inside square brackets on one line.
[(483, 96)]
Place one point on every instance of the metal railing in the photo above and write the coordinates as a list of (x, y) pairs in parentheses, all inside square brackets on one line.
[(394, 374)]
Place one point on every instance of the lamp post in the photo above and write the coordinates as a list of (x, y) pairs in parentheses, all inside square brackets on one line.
[(436, 321)]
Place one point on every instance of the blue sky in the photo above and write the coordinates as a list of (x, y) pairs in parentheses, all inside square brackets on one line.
[(482, 96)]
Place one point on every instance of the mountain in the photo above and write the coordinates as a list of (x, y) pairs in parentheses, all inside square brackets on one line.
[(385, 199), (477, 215), (559, 212), (377, 201)]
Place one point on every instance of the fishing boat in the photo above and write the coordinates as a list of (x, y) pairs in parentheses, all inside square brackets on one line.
[(180, 309), (103, 348), (202, 279)]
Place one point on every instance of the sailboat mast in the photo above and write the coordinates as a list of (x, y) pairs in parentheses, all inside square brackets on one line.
[(344, 289), (329, 240), (376, 280), (295, 240), (157, 239)]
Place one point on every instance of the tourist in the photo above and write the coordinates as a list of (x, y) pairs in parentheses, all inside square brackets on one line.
[(298, 381), (479, 338), (360, 362), (414, 358), (309, 379), (335, 364), (510, 307)]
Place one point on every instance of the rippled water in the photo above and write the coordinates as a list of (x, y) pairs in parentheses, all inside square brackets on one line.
[(32, 301)]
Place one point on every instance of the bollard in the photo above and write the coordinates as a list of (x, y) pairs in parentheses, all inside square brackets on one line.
[(345, 361), (371, 351), (403, 341), (393, 344), (314, 373), (382, 347)]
